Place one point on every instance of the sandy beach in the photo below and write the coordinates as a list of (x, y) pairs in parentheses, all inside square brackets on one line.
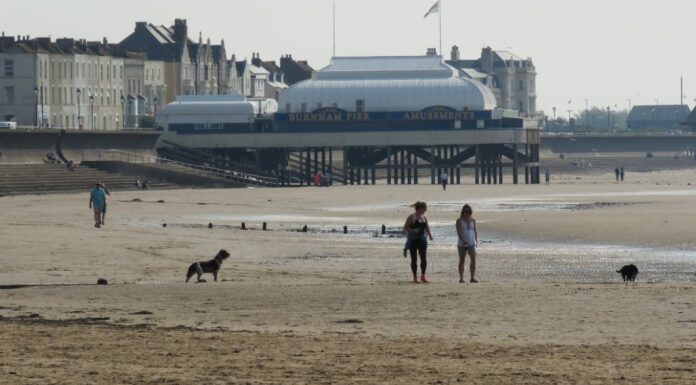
[(326, 307)]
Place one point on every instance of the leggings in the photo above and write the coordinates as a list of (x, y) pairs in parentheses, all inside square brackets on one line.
[(418, 246)]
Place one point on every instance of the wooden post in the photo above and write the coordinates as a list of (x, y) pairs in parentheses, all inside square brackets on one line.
[(409, 162), (477, 162), (515, 164), (389, 165), (403, 166), (415, 169), (432, 165)]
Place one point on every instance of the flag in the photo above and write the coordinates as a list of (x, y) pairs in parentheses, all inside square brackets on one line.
[(434, 9)]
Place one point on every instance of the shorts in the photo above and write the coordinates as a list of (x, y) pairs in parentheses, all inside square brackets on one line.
[(464, 250), (99, 208)]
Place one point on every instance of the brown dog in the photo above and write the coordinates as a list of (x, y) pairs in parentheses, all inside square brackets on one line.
[(212, 266)]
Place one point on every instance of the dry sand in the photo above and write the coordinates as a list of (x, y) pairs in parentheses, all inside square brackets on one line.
[(323, 307)]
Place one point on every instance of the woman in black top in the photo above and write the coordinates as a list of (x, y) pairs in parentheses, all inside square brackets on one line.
[(418, 234)]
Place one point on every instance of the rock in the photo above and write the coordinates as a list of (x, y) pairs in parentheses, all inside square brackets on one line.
[(160, 201), (136, 200), (102, 281)]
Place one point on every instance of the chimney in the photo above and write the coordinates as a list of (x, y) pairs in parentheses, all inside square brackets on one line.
[(180, 30), (431, 52), (487, 59), (140, 25), (455, 53)]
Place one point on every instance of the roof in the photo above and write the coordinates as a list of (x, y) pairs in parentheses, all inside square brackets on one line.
[(474, 74), (507, 56), (398, 83), (241, 67), (386, 67), (256, 70)]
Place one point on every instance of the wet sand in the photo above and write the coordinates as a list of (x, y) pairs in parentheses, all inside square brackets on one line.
[(324, 307)]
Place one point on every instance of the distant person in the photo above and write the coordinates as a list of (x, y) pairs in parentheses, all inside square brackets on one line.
[(444, 178), (146, 184), (468, 239), (317, 179), (548, 177), (327, 177), (621, 172), (418, 234), (97, 200), (617, 172), (138, 184), (70, 165), (106, 191)]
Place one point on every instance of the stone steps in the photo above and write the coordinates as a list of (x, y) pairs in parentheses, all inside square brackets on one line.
[(54, 178)]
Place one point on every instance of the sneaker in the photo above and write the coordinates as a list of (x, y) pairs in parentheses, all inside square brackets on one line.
[(423, 280), (473, 281), (97, 225)]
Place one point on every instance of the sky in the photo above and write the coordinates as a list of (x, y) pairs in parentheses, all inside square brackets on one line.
[(605, 51)]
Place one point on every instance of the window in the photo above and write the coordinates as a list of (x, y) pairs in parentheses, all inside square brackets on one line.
[(520, 85), (304, 107), (9, 95), (360, 105), (71, 70)]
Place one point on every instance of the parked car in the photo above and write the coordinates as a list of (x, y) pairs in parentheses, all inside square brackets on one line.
[(11, 124)]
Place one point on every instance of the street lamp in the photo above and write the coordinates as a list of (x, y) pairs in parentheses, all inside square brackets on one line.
[(36, 106), (123, 112), (629, 105), (609, 119), (79, 115), (554, 118), (91, 105)]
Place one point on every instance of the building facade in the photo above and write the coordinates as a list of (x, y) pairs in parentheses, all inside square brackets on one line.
[(75, 84), (192, 68), (511, 78)]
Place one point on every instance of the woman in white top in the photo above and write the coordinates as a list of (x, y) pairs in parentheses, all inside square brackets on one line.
[(468, 239)]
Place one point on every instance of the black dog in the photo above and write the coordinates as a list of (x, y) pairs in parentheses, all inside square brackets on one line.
[(628, 273), (212, 266)]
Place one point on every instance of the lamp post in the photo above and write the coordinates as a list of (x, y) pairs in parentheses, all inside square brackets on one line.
[(569, 112), (36, 106), (91, 106), (609, 119), (554, 118), (79, 115), (123, 112)]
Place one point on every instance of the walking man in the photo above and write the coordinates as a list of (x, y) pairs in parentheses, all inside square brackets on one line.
[(622, 173), (548, 177), (616, 171), (97, 200), (444, 178)]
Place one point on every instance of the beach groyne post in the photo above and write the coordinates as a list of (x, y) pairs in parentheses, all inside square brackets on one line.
[(345, 229), (244, 226), (265, 226), (304, 229), (384, 229)]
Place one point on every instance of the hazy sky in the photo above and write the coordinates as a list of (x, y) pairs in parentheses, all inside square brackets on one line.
[(606, 51)]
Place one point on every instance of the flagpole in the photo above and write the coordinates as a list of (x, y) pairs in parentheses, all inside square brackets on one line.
[(440, 14)]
